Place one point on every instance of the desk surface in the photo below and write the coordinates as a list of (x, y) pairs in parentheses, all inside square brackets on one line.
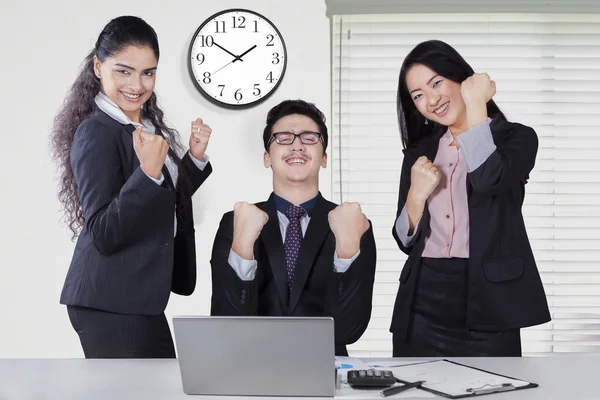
[(569, 377)]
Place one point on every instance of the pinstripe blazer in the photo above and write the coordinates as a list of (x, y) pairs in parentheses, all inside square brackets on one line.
[(127, 259)]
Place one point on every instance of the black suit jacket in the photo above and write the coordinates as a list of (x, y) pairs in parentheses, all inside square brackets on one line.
[(318, 290), (504, 287), (126, 259)]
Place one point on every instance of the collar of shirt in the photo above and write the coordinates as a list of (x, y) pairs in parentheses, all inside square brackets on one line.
[(447, 139), (282, 204), (111, 108)]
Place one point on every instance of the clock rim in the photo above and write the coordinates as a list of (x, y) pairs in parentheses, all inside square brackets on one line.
[(199, 87)]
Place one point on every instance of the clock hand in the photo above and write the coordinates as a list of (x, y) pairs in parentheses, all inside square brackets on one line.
[(236, 57), (223, 66), (227, 51), (246, 52)]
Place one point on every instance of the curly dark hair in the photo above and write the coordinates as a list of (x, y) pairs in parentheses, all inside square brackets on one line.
[(118, 34)]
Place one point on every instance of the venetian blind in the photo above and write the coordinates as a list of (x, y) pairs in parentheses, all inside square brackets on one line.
[(547, 71)]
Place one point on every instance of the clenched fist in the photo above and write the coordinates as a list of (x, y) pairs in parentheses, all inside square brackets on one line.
[(348, 224), (478, 89), (151, 150), (424, 178), (199, 138), (248, 222)]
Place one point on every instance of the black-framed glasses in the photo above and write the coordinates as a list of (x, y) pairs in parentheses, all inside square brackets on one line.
[(287, 138)]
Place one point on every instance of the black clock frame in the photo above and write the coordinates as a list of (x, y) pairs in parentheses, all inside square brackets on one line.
[(209, 97)]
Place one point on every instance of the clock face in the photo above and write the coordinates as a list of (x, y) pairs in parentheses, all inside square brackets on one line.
[(237, 58)]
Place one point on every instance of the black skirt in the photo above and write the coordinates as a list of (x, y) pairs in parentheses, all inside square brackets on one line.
[(439, 314), (109, 335)]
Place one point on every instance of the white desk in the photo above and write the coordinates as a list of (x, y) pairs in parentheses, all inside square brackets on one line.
[(569, 377)]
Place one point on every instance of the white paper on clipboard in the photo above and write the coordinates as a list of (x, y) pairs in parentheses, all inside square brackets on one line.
[(452, 379)]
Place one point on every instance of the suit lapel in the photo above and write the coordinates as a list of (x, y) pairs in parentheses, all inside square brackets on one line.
[(317, 231), (428, 147), (135, 162), (271, 238), (167, 176)]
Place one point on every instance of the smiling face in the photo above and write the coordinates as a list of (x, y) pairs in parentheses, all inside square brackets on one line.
[(437, 98), (296, 162), (128, 78)]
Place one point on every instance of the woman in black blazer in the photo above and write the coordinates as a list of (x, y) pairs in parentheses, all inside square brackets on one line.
[(470, 281), (127, 196)]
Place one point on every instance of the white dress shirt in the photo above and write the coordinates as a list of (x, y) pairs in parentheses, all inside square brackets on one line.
[(114, 111)]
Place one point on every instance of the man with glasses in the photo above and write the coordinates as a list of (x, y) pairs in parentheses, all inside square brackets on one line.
[(296, 254)]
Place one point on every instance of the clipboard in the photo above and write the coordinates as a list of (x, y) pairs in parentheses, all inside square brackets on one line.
[(476, 381)]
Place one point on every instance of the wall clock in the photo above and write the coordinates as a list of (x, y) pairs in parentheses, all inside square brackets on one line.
[(237, 58)]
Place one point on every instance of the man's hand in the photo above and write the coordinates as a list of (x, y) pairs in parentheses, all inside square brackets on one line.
[(348, 224), (248, 222)]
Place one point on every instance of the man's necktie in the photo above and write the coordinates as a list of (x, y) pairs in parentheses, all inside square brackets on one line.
[(293, 240)]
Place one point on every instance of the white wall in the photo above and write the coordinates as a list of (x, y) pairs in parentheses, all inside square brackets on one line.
[(43, 44)]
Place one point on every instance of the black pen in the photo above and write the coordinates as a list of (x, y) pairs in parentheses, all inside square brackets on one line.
[(399, 389)]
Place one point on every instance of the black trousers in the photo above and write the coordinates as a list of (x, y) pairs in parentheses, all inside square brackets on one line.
[(108, 335), (438, 321)]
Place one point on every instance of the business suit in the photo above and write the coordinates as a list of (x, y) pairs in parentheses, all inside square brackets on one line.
[(505, 291), (127, 259), (317, 290)]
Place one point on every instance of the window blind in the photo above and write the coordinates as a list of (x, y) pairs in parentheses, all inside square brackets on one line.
[(346, 7), (547, 71)]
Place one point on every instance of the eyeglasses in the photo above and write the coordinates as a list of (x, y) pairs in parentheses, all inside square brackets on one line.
[(287, 138)]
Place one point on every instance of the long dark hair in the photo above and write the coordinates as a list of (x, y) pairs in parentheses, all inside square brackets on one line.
[(444, 60), (78, 105)]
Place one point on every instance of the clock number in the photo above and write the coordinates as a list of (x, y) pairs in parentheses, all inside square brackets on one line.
[(238, 96), (200, 57), (222, 88), (270, 77), (206, 79), (255, 26), (256, 90), (241, 19), (270, 38), (220, 24), (275, 58), (207, 41)]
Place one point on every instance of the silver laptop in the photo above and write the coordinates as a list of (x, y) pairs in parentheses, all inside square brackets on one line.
[(260, 356)]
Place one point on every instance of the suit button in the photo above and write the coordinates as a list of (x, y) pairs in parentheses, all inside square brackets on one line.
[(242, 301), (243, 292)]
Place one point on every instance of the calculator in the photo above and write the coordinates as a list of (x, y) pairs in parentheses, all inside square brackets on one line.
[(370, 378)]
